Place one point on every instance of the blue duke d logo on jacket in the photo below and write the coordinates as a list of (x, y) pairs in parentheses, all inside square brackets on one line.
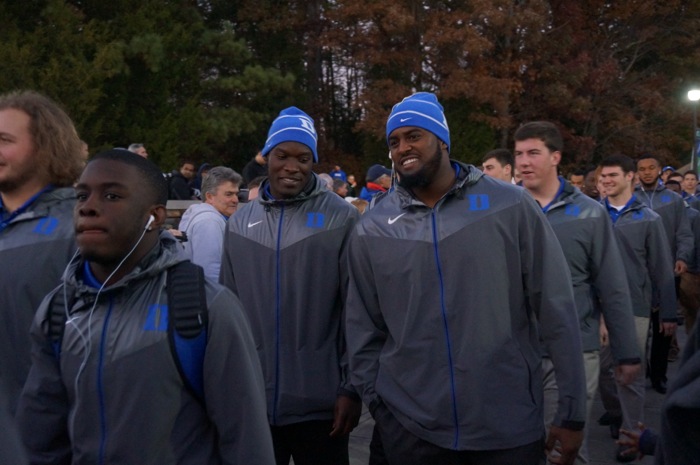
[(46, 226), (315, 220), (478, 202), (572, 210)]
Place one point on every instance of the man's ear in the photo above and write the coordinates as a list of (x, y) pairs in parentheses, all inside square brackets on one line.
[(160, 213), (556, 157)]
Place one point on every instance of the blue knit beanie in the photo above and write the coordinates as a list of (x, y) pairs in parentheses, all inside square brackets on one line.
[(421, 110), (292, 125)]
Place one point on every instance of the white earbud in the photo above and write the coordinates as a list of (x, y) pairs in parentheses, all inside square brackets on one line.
[(151, 219)]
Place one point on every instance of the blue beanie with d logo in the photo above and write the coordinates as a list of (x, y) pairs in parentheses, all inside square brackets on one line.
[(292, 125)]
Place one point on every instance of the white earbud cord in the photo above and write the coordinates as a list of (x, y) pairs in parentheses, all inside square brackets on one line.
[(88, 343)]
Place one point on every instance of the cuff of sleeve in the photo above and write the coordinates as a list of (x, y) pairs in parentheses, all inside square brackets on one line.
[(670, 320), (572, 425), (348, 393), (647, 442), (372, 407), (630, 361)]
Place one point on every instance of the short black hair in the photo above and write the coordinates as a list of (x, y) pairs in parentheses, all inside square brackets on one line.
[(690, 172), (623, 161), (504, 157), (671, 182), (578, 172), (153, 179), (589, 169), (545, 131), (648, 156)]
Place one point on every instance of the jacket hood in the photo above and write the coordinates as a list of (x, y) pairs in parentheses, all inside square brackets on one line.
[(312, 189), (162, 256), (196, 210)]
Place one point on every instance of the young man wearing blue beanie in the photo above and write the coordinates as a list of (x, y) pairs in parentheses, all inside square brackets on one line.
[(285, 257), (456, 284)]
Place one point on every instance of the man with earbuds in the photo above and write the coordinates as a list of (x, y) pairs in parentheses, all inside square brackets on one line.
[(108, 390), (285, 257), (457, 284), (40, 159)]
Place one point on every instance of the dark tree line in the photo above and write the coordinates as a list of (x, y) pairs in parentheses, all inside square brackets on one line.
[(203, 79)]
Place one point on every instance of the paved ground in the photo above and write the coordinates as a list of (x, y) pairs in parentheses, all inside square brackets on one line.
[(602, 447)]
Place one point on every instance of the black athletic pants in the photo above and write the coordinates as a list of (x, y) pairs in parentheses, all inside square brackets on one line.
[(309, 443), (392, 444)]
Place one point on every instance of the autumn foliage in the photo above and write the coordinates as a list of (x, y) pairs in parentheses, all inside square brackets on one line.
[(204, 79)]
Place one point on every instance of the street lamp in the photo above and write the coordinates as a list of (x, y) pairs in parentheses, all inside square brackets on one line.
[(694, 96)]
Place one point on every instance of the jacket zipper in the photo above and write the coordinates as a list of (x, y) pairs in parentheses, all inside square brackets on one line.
[(448, 342), (277, 316), (100, 385)]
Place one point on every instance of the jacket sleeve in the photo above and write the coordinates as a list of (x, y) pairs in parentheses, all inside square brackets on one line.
[(11, 450), (206, 239), (660, 269), (685, 242), (547, 282), (226, 276), (346, 388), (364, 325), (42, 412), (610, 281), (234, 390), (179, 190)]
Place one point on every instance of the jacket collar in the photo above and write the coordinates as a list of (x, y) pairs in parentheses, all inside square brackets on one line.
[(39, 204), (162, 256), (313, 188), (567, 194), (375, 187), (467, 175), (657, 188)]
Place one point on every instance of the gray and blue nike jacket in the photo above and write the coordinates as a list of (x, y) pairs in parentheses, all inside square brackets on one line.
[(646, 257), (694, 220), (671, 208), (447, 308), (36, 244), (115, 395), (585, 234), (287, 262)]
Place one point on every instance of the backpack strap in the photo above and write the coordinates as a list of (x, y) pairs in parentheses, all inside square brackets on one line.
[(187, 323), (58, 315)]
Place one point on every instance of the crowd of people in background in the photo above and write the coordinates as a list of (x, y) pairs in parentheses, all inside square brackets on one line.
[(475, 312)]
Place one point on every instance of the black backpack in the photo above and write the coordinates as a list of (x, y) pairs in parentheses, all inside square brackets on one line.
[(187, 323)]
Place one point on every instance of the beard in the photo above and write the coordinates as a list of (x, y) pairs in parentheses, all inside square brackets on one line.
[(425, 176), (18, 179)]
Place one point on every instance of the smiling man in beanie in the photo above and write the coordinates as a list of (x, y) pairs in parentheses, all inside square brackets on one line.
[(455, 279), (285, 257)]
